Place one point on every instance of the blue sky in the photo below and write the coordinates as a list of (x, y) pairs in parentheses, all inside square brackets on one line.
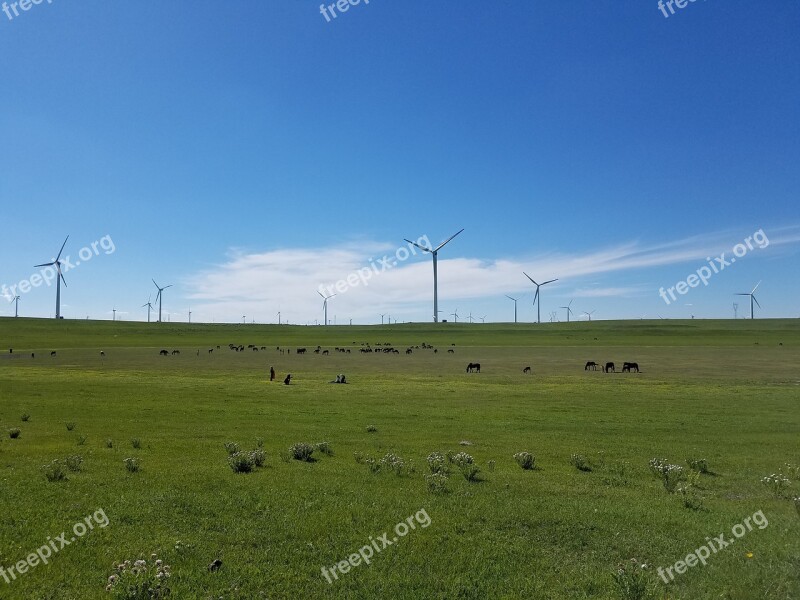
[(251, 152)]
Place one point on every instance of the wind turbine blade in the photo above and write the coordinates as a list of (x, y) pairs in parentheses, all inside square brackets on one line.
[(529, 277), (741, 294), (755, 288), (44, 265), (62, 279), (320, 295), (756, 301), (155, 284), (62, 249), (440, 246), (570, 302), (418, 246), (536, 295), (169, 286), (551, 281)]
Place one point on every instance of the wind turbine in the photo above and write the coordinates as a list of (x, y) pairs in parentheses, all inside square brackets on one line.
[(16, 306), (160, 296), (114, 311), (735, 310), (435, 253), (325, 304), (59, 277), (589, 314), (149, 306), (515, 307), (569, 310), (752, 299), (279, 317), (190, 315), (470, 317), (536, 296), (483, 319), (455, 315), (382, 315)]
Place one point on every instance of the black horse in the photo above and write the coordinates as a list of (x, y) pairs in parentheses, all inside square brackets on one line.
[(590, 366), (609, 368), (474, 367), (630, 366)]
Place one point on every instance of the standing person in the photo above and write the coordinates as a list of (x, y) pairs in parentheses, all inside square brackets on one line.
[(272, 374)]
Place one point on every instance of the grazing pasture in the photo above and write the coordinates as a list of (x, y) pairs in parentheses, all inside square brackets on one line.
[(536, 485)]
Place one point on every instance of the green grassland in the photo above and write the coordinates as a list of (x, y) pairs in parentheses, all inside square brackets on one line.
[(725, 391)]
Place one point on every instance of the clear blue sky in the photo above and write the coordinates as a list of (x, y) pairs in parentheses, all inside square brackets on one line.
[(249, 152)]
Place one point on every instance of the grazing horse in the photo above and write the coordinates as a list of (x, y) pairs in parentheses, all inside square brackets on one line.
[(174, 352), (325, 353), (629, 366), (609, 368), (590, 366), (163, 353), (53, 353), (210, 350), (474, 367), (300, 351), (272, 374), (451, 351), (409, 351), (526, 370), (102, 353)]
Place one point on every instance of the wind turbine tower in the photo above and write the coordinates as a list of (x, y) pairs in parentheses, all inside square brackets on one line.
[(435, 253), (515, 307), (325, 304), (752, 295), (537, 296), (59, 277), (568, 309), (160, 296)]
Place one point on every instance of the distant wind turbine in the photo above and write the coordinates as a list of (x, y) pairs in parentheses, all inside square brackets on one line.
[(455, 315), (149, 306), (160, 296), (735, 310), (59, 277), (16, 306), (537, 297), (325, 304), (752, 299), (589, 314), (470, 317), (435, 253), (568, 308), (515, 307), (483, 319)]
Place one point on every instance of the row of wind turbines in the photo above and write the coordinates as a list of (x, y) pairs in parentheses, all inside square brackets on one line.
[(434, 252)]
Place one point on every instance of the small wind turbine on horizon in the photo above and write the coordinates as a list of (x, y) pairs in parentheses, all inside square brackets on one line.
[(735, 310), (435, 253), (483, 319), (589, 314), (568, 308), (16, 306), (469, 316), (59, 277), (515, 306), (160, 296), (325, 304), (455, 315), (752, 295), (114, 314), (537, 297), (149, 306)]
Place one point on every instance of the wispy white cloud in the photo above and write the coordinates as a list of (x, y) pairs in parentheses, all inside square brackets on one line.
[(259, 284)]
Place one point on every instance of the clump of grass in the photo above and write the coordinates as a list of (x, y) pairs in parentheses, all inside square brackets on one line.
[(670, 475), (136, 443), (580, 462), (241, 462), (358, 456), (109, 443), (617, 474), (302, 451), (491, 465), (25, 417), (259, 442), (437, 483), (74, 462), (70, 425), (632, 580), (526, 460), (793, 470), (131, 464), (14, 433), (324, 447), (691, 499), (699, 465), (466, 465), (373, 464), (797, 504), (82, 440), (258, 456), (371, 429), (393, 462), (231, 448), (55, 471), (777, 483), (437, 463), (140, 580)]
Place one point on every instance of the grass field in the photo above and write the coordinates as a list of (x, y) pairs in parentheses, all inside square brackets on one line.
[(724, 391)]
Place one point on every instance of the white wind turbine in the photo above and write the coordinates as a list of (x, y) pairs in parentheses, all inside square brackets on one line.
[(160, 296), (59, 277), (435, 253), (149, 306), (752, 299), (568, 308), (537, 297), (325, 304), (515, 306)]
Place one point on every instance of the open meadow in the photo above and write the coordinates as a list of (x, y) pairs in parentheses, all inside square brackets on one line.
[(723, 395)]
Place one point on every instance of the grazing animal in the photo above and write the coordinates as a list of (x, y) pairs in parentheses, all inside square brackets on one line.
[(272, 374), (102, 353), (210, 350), (11, 351), (451, 351), (590, 366), (609, 368), (288, 379), (215, 566), (33, 355), (630, 366), (409, 351), (300, 351), (174, 352), (325, 353), (526, 370), (435, 350), (163, 353), (53, 353), (474, 367)]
